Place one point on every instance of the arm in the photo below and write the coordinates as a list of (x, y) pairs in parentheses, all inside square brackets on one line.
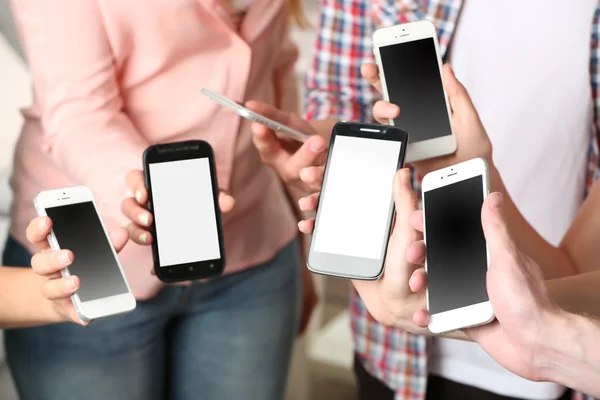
[(87, 133), (22, 301)]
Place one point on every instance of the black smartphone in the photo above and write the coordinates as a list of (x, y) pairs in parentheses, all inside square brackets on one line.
[(183, 197), (356, 209)]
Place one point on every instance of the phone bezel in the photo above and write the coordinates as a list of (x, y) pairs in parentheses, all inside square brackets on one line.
[(178, 151), (474, 314), (404, 33), (255, 117), (89, 310), (348, 266)]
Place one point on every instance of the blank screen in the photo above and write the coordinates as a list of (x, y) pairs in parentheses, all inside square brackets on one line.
[(184, 212), (77, 227), (414, 83), (456, 249), (355, 209)]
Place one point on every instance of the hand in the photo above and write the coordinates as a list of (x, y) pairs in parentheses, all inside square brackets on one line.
[(309, 300), (472, 139), (390, 299), (134, 208), (48, 263), (287, 156), (515, 284)]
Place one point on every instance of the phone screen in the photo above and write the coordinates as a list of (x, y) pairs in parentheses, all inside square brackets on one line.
[(414, 83), (184, 211), (77, 227), (356, 208), (456, 247)]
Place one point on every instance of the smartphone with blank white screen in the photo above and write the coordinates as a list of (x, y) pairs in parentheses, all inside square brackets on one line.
[(76, 226), (183, 197), (457, 257), (408, 57), (355, 211), (242, 111)]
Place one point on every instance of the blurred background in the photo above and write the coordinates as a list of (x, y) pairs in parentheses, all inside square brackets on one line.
[(322, 364)]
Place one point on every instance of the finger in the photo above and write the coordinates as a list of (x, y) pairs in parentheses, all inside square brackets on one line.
[(37, 232), (137, 185), (306, 156), (415, 220), (307, 226), (119, 238), (55, 289), (139, 235), (460, 101), (406, 203), (370, 72), (418, 281), (50, 262), (226, 202), (312, 176), (309, 203), (269, 148), (421, 318), (495, 228), (383, 111), (136, 212), (415, 253)]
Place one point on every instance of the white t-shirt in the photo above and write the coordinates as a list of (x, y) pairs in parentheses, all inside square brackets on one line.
[(526, 66)]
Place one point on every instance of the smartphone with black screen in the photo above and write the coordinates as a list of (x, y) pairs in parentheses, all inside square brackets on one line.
[(356, 207), (408, 57), (183, 197), (457, 257), (77, 226)]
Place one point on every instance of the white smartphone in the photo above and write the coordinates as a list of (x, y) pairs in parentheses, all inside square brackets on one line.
[(408, 57), (76, 226), (356, 208), (457, 255), (254, 117)]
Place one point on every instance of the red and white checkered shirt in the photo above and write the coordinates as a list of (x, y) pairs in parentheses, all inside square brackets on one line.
[(335, 89)]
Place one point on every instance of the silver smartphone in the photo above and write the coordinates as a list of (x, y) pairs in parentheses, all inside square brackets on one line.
[(76, 225), (254, 117)]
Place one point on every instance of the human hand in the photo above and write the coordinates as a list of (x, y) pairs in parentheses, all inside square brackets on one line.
[(390, 299), (135, 209), (48, 263), (287, 156), (521, 303), (472, 139)]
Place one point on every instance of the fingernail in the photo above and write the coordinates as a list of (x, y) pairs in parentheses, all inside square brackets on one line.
[(317, 146), (41, 224), (138, 196), (63, 258), (405, 176), (70, 283), (496, 200), (392, 108), (143, 237), (143, 218)]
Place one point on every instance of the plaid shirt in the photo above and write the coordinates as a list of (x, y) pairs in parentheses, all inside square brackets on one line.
[(335, 89)]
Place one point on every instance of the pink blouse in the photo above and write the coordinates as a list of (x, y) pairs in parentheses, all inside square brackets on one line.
[(111, 77)]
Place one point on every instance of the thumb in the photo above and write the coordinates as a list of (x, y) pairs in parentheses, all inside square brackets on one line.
[(459, 98), (119, 238), (405, 200), (495, 227)]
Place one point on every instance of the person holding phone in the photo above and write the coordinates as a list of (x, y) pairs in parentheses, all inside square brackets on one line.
[(526, 152), (41, 295), (110, 79)]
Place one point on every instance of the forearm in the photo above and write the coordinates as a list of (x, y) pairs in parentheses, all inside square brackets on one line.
[(22, 303), (572, 354), (578, 294), (554, 261)]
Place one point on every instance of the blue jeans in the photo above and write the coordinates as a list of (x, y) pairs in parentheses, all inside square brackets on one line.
[(226, 339)]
